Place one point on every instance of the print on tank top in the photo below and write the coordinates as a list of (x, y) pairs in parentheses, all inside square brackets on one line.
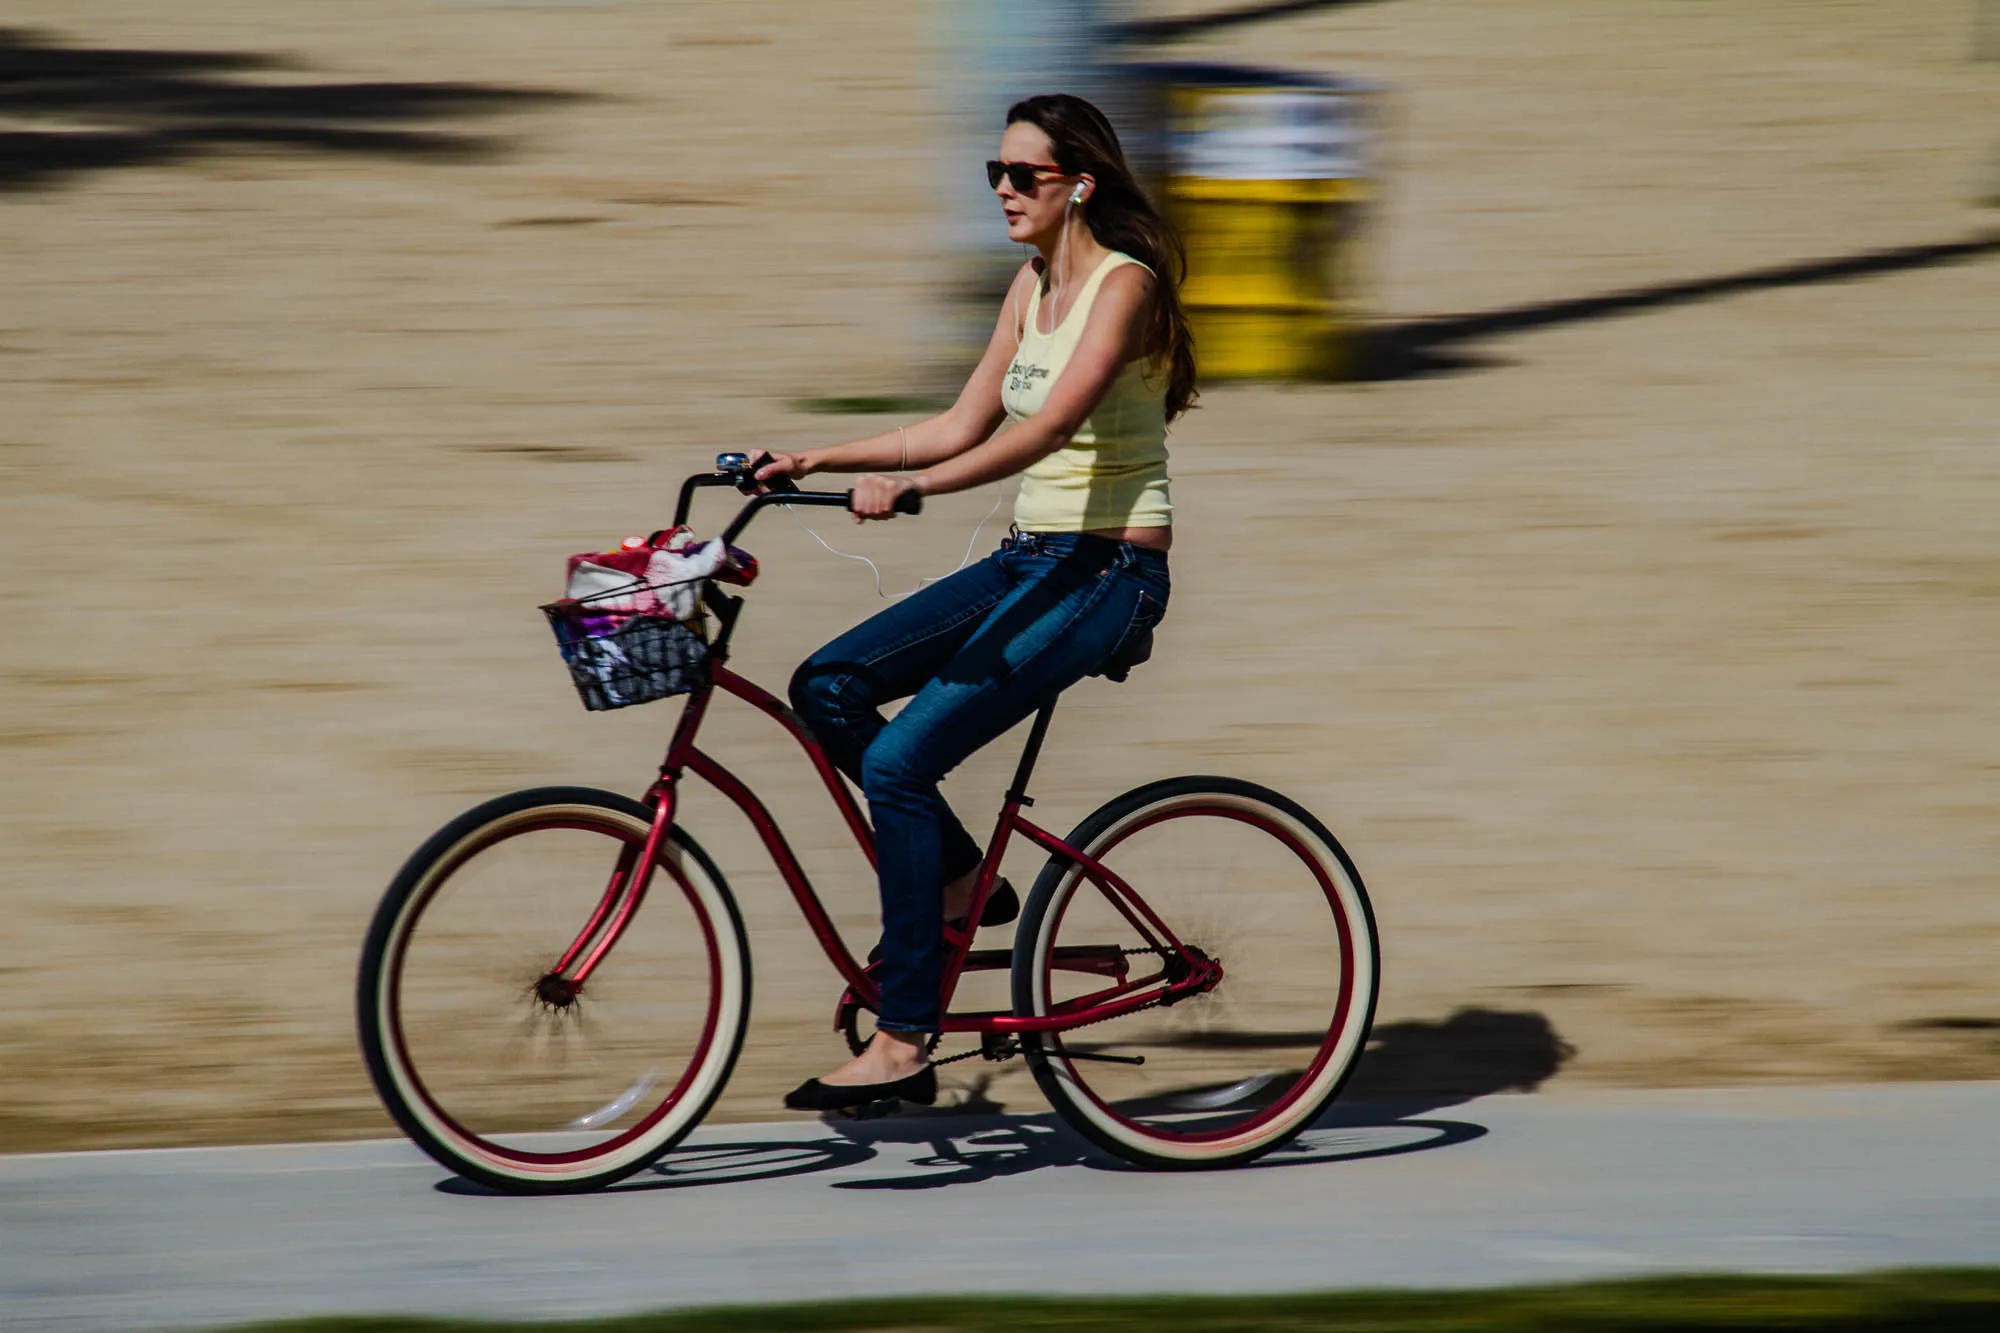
[(1023, 374)]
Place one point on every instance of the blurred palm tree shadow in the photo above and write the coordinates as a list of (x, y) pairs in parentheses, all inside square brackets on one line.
[(67, 109), (1412, 348), (1181, 27)]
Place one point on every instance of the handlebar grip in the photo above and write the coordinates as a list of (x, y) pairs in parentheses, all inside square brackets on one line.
[(780, 484), (909, 502)]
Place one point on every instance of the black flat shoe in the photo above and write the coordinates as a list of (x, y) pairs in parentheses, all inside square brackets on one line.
[(1002, 905), (813, 1095)]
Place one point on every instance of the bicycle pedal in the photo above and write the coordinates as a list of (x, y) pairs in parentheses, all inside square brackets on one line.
[(997, 1046), (874, 1110)]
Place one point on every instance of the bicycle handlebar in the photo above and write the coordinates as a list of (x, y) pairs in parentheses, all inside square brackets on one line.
[(739, 470)]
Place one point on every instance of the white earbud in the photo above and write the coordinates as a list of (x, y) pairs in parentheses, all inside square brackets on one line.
[(1076, 195)]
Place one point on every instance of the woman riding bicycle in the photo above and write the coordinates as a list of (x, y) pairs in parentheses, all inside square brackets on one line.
[(1089, 360)]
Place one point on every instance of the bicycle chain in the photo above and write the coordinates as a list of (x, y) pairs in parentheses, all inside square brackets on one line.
[(967, 1055)]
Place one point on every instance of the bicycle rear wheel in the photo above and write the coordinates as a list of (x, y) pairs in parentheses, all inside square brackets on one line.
[(479, 1041), (1254, 887)]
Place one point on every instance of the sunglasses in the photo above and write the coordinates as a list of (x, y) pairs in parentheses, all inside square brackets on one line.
[(1023, 176)]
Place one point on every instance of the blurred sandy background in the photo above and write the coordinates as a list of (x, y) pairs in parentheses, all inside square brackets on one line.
[(1642, 649)]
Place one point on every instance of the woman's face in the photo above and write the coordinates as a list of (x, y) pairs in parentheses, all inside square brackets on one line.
[(1034, 215)]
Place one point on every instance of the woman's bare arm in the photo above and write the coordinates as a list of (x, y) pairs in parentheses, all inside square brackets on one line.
[(1107, 344), (972, 418)]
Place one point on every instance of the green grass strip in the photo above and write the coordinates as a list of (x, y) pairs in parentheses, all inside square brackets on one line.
[(1930, 1301)]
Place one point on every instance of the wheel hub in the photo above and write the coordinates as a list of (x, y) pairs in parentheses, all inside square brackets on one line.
[(557, 992), (1202, 970)]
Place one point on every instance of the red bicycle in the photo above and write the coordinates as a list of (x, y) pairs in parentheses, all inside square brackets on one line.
[(555, 987)]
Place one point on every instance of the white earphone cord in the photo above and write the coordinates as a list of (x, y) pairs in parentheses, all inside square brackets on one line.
[(1055, 279), (999, 494)]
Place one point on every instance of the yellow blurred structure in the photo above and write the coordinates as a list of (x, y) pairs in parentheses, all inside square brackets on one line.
[(1267, 175)]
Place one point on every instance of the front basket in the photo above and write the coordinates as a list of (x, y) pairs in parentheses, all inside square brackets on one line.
[(618, 661)]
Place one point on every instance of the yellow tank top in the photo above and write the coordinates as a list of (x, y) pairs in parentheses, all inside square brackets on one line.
[(1113, 471)]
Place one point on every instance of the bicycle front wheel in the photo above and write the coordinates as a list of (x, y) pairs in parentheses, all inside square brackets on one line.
[(1233, 881), (482, 1043)]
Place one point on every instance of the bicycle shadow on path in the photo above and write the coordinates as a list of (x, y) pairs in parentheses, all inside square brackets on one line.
[(1410, 1070)]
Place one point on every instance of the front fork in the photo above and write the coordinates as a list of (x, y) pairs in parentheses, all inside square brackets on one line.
[(630, 878)]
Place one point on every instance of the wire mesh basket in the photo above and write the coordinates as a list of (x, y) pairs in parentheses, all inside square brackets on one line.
[(617, 658)]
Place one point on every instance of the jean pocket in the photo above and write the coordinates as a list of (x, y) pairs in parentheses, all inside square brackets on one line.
[(1152, 609), (1135, 644), (1154, 590)]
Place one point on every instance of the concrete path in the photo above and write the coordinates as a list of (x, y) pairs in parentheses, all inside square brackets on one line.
[(1500, 1190)]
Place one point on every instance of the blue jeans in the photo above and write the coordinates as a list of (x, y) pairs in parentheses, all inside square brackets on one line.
[(975, 653)]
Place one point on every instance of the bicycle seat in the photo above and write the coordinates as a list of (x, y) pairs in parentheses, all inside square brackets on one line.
[(1130, 654)]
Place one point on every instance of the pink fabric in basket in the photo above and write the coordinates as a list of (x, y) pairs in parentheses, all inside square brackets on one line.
[(654, 580)]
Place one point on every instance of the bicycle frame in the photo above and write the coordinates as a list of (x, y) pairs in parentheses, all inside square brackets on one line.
[(1184, 971)]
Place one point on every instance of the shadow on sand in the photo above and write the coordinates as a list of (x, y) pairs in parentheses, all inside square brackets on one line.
[(66, 110), (1435, 346), (1187, 26)]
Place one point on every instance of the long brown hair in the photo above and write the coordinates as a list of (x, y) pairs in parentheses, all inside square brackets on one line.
[(1121, 217)]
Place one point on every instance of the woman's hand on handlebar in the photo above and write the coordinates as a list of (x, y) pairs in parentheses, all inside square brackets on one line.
[(781, 465), (876, 496)]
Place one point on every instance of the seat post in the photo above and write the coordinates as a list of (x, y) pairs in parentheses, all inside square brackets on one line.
[(1018, 793)]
